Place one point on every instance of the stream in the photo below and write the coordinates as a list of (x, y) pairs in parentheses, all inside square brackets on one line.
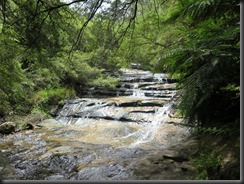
[(130, 133)]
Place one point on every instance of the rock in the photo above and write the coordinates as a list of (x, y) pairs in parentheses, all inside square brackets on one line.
[(29, 126), (113, 138), (140, 103), (135, 65), (58, 151), (160, 87), (176, 158), (101, 92), (106, 172), (6, 172), (230, 172), (24, 126), (7, 127), (130, 104), (50, 124), (54, 111), (34, 118), (55, 177)]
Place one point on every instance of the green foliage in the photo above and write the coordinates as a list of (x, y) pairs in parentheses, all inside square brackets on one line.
[(39, 113), (21, 125), (207, 165), (37, 67), (106, 82), (47, 98), (100, 46), (226, 131), (197, 41), (205, 9), (207, 62), (74, 71), (15, 86)]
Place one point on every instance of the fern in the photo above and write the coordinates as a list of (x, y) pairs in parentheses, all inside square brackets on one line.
[(207, 62), (205, 9)]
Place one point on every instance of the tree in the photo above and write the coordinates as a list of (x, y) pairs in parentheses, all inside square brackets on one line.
[(207, 61), (196, 41), (15, 86)]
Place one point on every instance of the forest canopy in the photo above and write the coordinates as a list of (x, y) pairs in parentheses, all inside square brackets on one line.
[(52, 50)]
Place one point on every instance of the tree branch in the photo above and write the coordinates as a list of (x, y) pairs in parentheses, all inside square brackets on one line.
[(92, 14), (60, 6)]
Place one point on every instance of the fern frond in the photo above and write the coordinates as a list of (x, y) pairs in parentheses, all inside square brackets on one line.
[(202, 10)]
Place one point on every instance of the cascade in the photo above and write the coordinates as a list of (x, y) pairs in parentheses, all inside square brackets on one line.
[(105, 137), (142, 103), (137, 92)]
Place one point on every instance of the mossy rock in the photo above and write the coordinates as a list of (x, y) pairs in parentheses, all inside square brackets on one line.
[(7, 128)]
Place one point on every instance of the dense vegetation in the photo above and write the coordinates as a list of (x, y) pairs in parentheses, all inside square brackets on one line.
[(52, 50)]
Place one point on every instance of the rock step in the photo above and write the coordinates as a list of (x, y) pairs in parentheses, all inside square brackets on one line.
[(146, 89), (147, 79)]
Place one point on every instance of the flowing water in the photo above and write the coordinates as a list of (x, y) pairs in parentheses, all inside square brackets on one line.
[(98, 137)]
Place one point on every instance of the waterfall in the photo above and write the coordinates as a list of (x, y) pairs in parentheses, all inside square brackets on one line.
[(137, 92), (142, 105), (147, 133), (101, 134)]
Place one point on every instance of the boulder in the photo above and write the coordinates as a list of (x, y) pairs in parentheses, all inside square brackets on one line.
[(7, 127)]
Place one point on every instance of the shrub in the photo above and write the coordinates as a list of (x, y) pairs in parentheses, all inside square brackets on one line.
[(45, 99), (208, 166), (106, 82)]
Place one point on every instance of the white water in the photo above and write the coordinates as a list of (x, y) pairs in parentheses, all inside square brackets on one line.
[(105, 121), (137, 92), (148, 131), (104, 137)]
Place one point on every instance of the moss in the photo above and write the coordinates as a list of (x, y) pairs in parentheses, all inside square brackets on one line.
[(178, 114)]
